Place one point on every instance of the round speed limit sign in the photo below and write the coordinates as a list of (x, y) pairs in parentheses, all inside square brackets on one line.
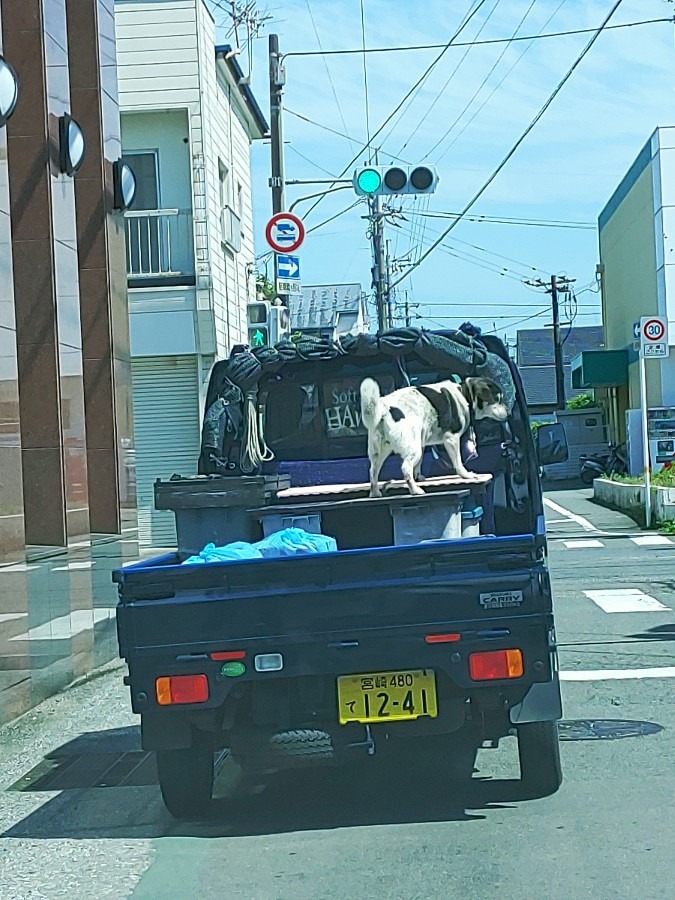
[(654, 330)]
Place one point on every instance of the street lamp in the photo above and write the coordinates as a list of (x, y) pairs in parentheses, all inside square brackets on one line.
[(72, 145), (9, 90)]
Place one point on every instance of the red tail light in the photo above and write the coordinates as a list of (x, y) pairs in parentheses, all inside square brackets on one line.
[(182, 689), (442, 638), (496, 664)]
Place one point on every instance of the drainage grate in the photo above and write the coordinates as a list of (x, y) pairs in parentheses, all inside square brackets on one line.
[(111, 758), (604, 729), (93, 770)]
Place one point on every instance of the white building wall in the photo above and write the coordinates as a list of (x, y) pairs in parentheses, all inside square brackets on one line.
[(227, 142), (157, 57)]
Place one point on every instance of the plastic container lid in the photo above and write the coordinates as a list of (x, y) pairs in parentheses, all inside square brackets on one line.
[(474, 513)]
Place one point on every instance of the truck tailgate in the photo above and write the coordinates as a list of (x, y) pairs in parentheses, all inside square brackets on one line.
[(335, 598)]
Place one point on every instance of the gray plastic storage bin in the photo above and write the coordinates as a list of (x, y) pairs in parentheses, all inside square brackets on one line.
[(277, 522), (210, 509), (471, 519), (427, 520)]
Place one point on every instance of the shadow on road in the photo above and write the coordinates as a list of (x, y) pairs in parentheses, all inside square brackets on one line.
[(416, 782), (658, 633)]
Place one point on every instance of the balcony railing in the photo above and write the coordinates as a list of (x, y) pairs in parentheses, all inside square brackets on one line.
[(230, 225), (160, 244)]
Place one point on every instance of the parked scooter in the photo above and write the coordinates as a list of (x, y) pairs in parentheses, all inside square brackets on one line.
[(595, 465)]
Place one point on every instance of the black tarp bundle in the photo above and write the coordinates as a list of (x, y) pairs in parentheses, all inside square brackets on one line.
[(229, 421)]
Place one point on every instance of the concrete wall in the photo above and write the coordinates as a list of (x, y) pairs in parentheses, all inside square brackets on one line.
[(631, 499)]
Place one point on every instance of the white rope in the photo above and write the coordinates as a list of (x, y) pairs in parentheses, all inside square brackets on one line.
[(255, 451)]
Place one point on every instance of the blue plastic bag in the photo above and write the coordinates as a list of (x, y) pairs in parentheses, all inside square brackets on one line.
[(289, 542), (295, 542), (212, 554)]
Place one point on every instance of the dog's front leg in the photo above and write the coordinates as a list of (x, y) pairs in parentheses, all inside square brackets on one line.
[(408, 467), (377, 457), (451, 442)]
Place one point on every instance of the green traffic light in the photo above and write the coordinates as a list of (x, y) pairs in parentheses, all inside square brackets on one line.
[(369, 181)]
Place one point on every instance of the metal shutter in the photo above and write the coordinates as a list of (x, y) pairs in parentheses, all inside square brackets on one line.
[(167, 434)]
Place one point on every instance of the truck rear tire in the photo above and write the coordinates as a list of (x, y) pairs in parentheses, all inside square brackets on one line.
[(539, 753), (186, 780)]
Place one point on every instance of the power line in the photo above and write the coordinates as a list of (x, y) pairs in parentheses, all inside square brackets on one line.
[(325, 62), (450, 77), (365, 72), (493, 91), (487, 77), (507, 220), (310, 161), (338, 133), (420, 81), (528, 37), (517, 145)]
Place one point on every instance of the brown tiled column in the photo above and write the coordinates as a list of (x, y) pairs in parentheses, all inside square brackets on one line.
[(103, 279), (46, 289), (11, 494)]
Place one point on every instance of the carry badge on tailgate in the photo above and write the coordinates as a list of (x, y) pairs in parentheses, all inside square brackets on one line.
[(501, 599)]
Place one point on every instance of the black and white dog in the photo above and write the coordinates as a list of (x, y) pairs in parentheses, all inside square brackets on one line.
[(412, 418)]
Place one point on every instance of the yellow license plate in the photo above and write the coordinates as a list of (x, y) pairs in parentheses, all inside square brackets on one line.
[(387, 696)]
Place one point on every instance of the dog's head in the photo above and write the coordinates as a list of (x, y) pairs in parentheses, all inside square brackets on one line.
[(486, 398)]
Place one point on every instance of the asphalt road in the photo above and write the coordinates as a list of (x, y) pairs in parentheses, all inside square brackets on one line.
[(436, 821)]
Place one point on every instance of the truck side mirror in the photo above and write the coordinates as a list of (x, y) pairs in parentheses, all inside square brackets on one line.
[(551, 443)]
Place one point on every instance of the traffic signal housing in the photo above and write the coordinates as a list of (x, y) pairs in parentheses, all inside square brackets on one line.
[(372, 181), (268, 323)]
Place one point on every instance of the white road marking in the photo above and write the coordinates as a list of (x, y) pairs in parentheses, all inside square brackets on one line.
[(583, 545), (652, 540), (10, 617), (73, 565), (18, 567), (573, 517), (616, 674), (624, 600)]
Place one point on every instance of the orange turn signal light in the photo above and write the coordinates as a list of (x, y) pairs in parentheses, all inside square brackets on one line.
[(182, 689), (496, 664)]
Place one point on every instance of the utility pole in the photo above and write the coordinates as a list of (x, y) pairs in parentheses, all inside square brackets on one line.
[(406, 307), (379, 263), (553, 288), (277, 81), (557, 346)]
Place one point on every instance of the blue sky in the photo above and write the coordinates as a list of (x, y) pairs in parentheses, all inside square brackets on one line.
[(566, 170)]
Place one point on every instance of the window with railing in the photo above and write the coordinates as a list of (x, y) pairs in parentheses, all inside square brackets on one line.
[(159, 243)]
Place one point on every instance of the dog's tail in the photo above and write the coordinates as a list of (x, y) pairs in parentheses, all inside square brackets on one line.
[(372, 407)]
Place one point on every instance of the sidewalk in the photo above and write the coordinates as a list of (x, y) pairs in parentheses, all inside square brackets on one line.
[(57, 617), (50, 840), (578, 503)]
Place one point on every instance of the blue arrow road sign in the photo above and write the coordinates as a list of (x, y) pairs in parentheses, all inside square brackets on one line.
[(288, 266)]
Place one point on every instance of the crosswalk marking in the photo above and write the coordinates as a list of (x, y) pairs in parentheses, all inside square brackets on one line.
[(583, 545), (623, 600), (652, 540)]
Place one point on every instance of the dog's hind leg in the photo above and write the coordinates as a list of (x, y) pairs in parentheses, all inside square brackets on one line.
[(451, 442), (408, 467), (377, 455), (417, 472)]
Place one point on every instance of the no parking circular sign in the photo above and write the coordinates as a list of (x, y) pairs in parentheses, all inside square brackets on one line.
[(285, 232)]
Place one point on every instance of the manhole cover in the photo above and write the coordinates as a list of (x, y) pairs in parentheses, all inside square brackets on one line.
[(604, 729)]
